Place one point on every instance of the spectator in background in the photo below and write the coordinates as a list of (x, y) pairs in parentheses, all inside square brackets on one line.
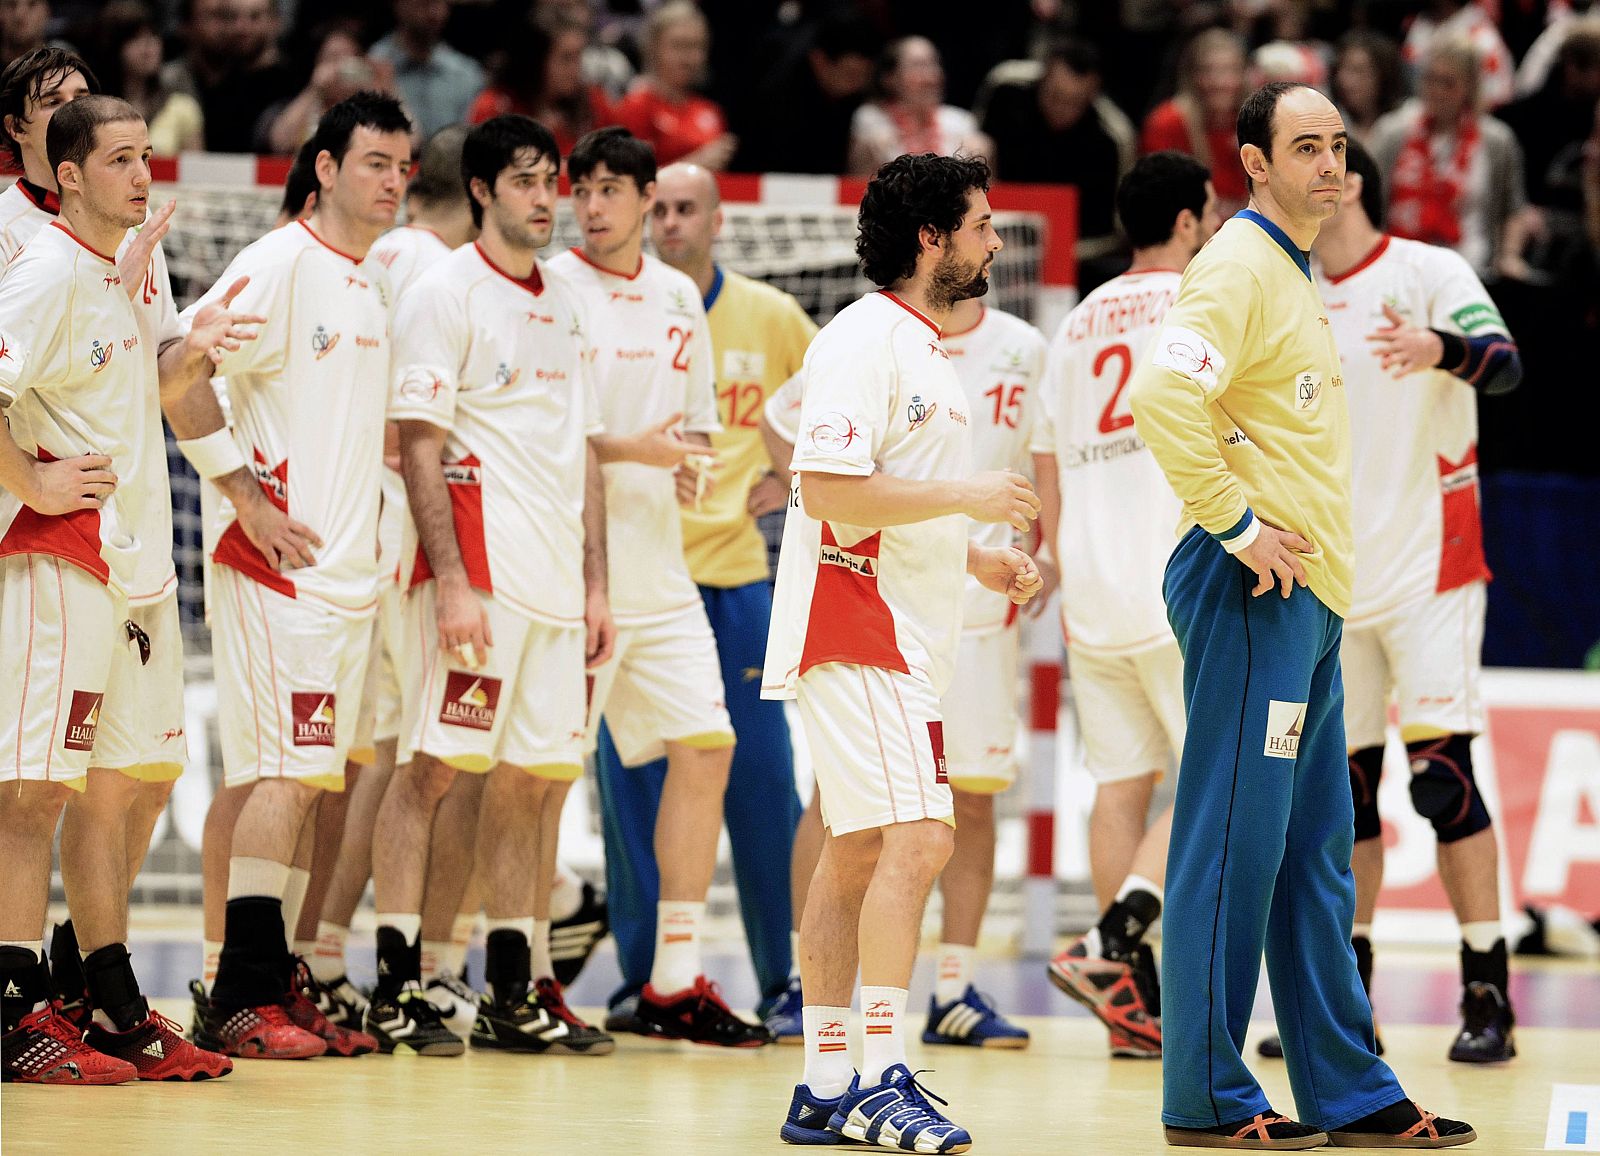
[(124, 49), (231, 66), (23, 24), (1367, 81), (1467, 20), (1534, 67), (1456, 173), (662, 106), (437, 83), (541, 75), (340, 70), (909, 115), (1284, 48), (1050, 124), (1200, 119), (799, 121), (604, 65)]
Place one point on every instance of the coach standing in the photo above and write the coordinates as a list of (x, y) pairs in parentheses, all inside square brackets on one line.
[(1242, 403)]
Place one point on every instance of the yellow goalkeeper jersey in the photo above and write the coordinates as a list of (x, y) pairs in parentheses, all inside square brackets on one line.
[(759, 336), (1241, 401)]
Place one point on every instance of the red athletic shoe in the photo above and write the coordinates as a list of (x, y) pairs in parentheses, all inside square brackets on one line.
[(252, 1033), (1127, 1047), (305, 1014), (159, 1051), (1108, 989), (699, 1014), (45, 1049)]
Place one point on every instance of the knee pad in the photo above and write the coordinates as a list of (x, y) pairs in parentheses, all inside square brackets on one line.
[(1442, 787), (1366, 768)]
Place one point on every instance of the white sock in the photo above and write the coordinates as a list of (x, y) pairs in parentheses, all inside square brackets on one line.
[(1364, 931), (883, 1041), (294, 900), (327, 958), (566, 894), (433, 954), (407, 923), (209, 962), (677, 963), (828, 1069), (249, 877), (794, 955), (455, 957), (523, 924), (1481, 935), (1092, 944), (1139, 883), (952, 972), (541, 967), (305, 949)]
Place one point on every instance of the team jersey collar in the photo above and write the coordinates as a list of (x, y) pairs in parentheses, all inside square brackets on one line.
[(584, 257), (716, 287), (42, 198), (917, 313), (1378, 250), (533, 282), (983, 315), (1301, 260), (317, 237), (84, 244)]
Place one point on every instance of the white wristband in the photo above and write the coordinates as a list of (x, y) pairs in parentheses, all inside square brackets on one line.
[(214, 455)]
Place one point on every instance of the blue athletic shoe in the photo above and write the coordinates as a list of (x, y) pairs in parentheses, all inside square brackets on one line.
[(972, 1021), (897, 1114), (808, 1118), (783, 1018)]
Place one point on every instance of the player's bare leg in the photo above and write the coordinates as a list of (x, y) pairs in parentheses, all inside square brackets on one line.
[(450, 869), (968, 878), (1116, 829), (784, 1021), (148, 803), (405, 817), (216, 849), (687, 827), (29, 811), (95, 857), (328, 835), (364, 786)]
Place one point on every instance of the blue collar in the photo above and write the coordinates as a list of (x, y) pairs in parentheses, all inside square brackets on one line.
[(716, 287), (1300, 258)]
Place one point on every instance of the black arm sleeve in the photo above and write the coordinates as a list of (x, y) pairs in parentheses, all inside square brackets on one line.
[(1490, 364)]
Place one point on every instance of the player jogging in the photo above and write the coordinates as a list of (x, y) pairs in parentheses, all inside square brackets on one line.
[(1241, 401), (866, 626)]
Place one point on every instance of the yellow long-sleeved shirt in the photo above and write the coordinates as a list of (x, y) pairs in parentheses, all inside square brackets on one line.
[(1242, 403)]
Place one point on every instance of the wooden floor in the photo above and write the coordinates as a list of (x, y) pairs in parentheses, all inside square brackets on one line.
[(1062, 1096)]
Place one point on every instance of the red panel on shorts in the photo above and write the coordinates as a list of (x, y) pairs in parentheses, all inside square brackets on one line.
[(236, 551), (465, 479), (936, 741), (73, 537), (1461, 557), (850, 621), (83, 717), (313, 718), (470, 700)]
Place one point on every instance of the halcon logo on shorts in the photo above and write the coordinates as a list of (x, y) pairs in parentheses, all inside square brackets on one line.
[(82, 719), (470, 700), (313, 718), (1285, 721), (936, 742)]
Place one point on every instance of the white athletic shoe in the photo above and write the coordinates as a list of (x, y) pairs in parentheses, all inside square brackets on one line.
[(456, 1001)]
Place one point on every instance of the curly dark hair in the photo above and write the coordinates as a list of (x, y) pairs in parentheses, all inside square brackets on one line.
[(905, 195)]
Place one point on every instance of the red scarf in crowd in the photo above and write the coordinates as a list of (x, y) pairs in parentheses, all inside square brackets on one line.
[(1425, 200)]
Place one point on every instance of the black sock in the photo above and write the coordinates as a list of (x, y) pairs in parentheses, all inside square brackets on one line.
[(1147, 978), (67, 981), (1485, 966), (508, 966), (1392, 1120), (1123, 925), (24, 985), (250, 972), (399, 962), (1363, 947), (113, 989)]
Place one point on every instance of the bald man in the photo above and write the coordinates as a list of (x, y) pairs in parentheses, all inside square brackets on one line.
[(758, 335)]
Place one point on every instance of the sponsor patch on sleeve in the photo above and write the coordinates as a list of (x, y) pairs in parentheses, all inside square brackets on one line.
[(1478, 315), (1185, 351)]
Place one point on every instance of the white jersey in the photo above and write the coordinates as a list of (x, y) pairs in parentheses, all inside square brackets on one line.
[(22, 214), (503, 365), (999, 362), (881, 394), (652, 350), (1414, 440), (407, 252), (308, 397), (74, 366), (1118, 513)]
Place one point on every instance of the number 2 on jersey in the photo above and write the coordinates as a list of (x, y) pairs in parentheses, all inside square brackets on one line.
[(1110, 420), (680, 359)]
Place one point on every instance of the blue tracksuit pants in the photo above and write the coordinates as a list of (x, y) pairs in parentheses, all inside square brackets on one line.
[(1260, 855), (761, 808)]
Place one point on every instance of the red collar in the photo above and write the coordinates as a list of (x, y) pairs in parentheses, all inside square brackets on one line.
[(41, 198), (108, 260), (533, 282), (579, 254), (917, 313), (315, 236), (1378, 250)]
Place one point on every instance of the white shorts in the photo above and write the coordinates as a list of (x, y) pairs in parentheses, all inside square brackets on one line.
[(379, 717), (877, 745), (1130, 710), (285, 669), (663, 684), (525, 706), (1429, 654), (980, 713), (61, 627), (141, 724)]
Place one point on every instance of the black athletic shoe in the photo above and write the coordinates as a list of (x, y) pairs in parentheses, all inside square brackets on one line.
[(622, 1018), (573, 940), (341, 1001), (408, 1024), (1271, 1047), (1265, 1132), (1486, 1036), (698, 1014), (1403, 1124), (537, 1023)]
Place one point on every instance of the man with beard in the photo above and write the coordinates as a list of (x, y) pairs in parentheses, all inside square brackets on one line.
[(866, 625)]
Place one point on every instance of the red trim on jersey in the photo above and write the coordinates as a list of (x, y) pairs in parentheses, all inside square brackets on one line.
[(533, 283), (1378, 250), (917, 313), (577, 252), (983, 312), (236, 551), (465, 482), (42, 198), (72, 537), (108, 260), (328, 247), (1461, 559), (849, 620)]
